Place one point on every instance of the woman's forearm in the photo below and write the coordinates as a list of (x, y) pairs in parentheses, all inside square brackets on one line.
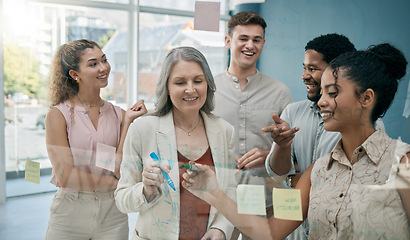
[(255, 227)]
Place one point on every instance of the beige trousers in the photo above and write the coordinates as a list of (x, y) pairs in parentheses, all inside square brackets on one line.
[(86, 215)]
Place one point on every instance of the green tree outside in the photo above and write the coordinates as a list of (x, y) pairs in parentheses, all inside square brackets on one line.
[(21, 70), (105, 38)]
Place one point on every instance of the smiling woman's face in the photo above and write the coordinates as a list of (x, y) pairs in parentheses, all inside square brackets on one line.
[(94, 69), (187, 87), (339, 104)]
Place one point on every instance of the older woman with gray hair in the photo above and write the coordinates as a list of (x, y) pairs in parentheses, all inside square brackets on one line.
[(182, 130)]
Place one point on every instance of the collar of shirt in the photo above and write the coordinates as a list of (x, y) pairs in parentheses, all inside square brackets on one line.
[(254, 77), (374, 146), (315, 108)]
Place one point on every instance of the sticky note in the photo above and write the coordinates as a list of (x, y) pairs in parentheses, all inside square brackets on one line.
[(207, 16), (287, 204), (105, 157), (32, 172), (251, 199)]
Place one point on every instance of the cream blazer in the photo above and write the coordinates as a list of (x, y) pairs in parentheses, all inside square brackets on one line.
[(159, 218)]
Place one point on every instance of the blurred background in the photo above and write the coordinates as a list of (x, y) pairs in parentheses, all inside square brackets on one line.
[(137, 35)]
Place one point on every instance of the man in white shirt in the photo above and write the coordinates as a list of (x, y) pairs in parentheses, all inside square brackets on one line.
[(246, 98)]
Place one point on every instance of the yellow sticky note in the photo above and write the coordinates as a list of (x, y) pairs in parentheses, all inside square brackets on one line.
[(287, 204), (32, 170), (251, 199)]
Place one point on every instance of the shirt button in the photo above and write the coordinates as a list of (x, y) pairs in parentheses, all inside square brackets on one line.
[(360, 150), (341, 195)]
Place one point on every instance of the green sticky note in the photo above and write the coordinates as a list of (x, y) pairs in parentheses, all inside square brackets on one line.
[(287, 204), (32, 172), (251, 199)]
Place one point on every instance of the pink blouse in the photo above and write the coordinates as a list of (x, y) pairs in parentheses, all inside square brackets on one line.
[(83, 137)]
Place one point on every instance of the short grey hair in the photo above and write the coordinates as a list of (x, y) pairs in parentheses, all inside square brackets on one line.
[(163, 104)]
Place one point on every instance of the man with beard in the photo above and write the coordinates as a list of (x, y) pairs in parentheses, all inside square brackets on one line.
[(298, 134), (299, 137)]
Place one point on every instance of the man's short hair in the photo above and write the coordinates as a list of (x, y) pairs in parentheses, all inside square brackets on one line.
[(246, 18), (330, 45)]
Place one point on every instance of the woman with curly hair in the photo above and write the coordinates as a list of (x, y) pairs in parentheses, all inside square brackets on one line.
[(85, 136), (361, 190)]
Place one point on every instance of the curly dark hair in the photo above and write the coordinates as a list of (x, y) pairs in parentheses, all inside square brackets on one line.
[(245, 18), (330, 45), (67, 57), (380, 67)]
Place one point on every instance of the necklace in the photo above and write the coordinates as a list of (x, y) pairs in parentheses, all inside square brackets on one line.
[(85, 110), (88, 105), (189, 132)]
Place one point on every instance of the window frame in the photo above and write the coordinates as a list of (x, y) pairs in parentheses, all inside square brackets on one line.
[(133, 9)]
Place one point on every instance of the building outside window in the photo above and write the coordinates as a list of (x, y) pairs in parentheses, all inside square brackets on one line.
[(33, 31)]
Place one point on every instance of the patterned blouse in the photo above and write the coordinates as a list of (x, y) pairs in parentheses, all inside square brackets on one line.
[(359, 200)]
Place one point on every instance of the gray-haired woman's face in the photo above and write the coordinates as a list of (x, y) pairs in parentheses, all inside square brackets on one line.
[(187, 87)]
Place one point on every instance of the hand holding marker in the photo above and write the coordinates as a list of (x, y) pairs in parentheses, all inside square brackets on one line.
[(169, 181), (191, 167)]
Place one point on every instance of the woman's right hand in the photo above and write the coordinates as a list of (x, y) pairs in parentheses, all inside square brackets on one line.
[(152, 178), (202, 183), (137, 110)]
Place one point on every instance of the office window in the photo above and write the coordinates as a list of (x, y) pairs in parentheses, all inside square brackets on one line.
[(158, 34), (32, 34), (34, 31), (184, 5), (112, 1)]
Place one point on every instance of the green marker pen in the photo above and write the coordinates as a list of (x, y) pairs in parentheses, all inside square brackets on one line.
[(190, 167)]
